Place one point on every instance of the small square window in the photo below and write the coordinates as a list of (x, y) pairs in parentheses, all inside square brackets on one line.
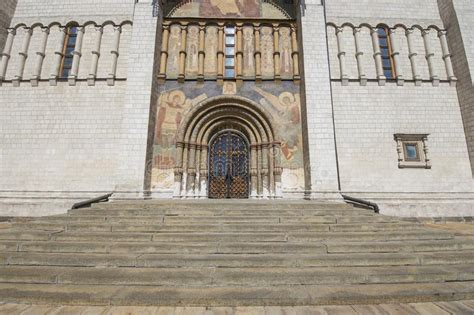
[(229, 62), (412, 150), (230, 30), (229, 51), (229, 40), (229, 73)]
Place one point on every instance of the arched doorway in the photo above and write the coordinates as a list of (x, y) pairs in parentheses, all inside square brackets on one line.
[(229, 166), (199, 132)]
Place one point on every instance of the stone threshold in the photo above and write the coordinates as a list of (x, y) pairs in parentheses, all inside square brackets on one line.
[(431, 308)]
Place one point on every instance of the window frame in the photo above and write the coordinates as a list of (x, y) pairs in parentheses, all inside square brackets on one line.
[(229, 56), (389, 56), (420, 142), (66, 45)]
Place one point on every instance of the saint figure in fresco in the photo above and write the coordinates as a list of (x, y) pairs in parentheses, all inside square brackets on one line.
[(287, 109), (172, 106)]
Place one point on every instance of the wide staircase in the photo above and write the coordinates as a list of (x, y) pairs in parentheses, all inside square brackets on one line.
[(230, 253)]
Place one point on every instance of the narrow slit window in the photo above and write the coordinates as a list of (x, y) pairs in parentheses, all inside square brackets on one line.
[(69, 46), (229, 71), (386, 53)]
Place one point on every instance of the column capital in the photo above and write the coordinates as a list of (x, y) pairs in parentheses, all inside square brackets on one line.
[(11, 31), (339, 29), (45, 29), (409, 31), (442, 33), (99, 28), (357, 30), (117, 28), (28, 30), (425, 32), (393, 31)]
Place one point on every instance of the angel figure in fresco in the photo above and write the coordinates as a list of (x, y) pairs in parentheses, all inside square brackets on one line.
[(287, 107), (172, 106)]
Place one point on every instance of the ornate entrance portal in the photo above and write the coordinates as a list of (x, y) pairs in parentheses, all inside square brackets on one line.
[(226, 148), (229, 166)]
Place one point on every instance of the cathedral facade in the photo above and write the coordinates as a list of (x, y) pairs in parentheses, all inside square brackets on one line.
[(237, 99)]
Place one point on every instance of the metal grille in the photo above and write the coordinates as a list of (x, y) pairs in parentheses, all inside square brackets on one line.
[(229, 167)]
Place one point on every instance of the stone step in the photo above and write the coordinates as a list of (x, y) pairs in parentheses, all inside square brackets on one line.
[(212, 219), (236, 247), (218, 212), (202, 260), (221, 227), (243, 277), (223, 204), (55, 294), (394, 247), (415, 234)]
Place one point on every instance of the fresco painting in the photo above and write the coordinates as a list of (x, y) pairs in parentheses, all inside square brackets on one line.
[(281, 101), (228, 9)]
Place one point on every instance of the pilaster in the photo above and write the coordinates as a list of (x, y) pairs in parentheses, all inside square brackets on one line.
[(320, 157), (132, 146)]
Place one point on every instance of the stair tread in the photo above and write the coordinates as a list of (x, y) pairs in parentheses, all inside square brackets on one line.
[(242, 296), (216, 252)]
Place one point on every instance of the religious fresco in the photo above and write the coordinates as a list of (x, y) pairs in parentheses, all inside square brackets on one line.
[(281, 101), (228, 9)]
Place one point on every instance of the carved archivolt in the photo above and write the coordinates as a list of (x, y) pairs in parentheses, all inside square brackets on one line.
[(219, 113)]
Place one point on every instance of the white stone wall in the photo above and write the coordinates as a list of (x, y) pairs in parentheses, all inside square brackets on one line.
[(58, 141), (60, 144), (367, 117), (7, 9), (421, 12), (366, 120), (458, 16), (45, 12)]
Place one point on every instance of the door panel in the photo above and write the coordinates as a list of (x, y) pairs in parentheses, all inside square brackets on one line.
[(229, 167)]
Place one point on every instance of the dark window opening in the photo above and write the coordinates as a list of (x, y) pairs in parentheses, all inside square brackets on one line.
[(69, 46), (386, 53)]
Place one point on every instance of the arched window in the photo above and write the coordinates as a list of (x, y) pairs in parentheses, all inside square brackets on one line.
[(386, 50), (69, 46), (229, 52)]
